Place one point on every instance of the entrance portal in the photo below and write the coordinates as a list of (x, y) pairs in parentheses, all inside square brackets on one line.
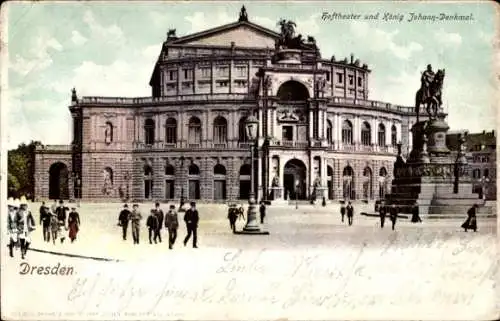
[(294, 180), (58, 181)]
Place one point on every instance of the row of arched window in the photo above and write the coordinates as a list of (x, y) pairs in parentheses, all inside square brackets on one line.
[(366, 134), (194, 170)]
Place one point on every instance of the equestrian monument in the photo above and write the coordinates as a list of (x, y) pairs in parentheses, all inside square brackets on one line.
[(432, 178)]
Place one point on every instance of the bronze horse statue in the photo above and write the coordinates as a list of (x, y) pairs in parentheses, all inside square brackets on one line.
[(433, 102)]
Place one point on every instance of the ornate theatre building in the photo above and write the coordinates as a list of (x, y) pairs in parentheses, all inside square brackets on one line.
[(319, 133)]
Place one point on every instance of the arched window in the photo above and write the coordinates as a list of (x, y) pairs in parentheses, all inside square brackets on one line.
[(381, 135), (149, 131), (476, 173), (220, 130), (219, 170), (219, 182), (347, 132), (348, 183), (169, 170), (194, 130), (292, 90), (329, 132), (148, 181), (194, 170), (242, 132), (171, 131), (366, 136), (108, 133), (367, 183), (382, 183), (194, 182), (394, 136)]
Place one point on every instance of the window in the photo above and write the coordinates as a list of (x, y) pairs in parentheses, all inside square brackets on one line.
[(205, 72), (347, 132), (394, 136), (486, 173), (220, 130), (240, 83), (171, 131), (360, 81), (194, 131), (327, 76), (340, 78), (241, 71), (242, 132), (287, 132), (172, 75), (329, 132), (188, 73), (366, 135), (223, 71), (171, 86), (108, 133), (381, 135), (476, 173), (351, 80), (149, 131), (222, 84)]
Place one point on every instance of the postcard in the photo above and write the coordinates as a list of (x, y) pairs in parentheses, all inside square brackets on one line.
[(249, 160)]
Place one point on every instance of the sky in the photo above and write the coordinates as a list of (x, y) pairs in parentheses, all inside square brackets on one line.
[(109, 49)]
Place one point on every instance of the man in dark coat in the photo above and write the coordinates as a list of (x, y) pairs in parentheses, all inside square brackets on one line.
[(232, 216), (382, 209), (159, 216), (171, 223), (123, 219), (471, 222), (262, 211), (394, 215), (191, 218), (350, 212), (415, 217), (45, 221), (152, 224), (136, 218), (342, 211)]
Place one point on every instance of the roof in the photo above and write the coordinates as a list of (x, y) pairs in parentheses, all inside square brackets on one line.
[(486, 139)]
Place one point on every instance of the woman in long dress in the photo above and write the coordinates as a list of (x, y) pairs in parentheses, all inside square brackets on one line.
[(73, 224), (471, 222)]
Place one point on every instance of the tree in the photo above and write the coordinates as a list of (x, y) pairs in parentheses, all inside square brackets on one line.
[(21, 170)]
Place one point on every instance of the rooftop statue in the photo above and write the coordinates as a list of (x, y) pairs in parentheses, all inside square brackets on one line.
[(288, 39), (430, 92), (243, 14)]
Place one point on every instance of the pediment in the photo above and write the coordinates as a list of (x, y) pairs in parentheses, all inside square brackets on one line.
[(243, 34)]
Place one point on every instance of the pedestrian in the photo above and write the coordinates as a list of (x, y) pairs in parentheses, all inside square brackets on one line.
[(136, 218), (152, 224), (262, 211), (73, 223), (45, 221), (241, 213), (53, 208), (232, 215), (123, 219), (61, 219), (54, 227), (159, 216), (171, 223), (394, 215), (323, 202), (350, 212), (191, 218), (342, 210), (25, 225), (415, 217), (471, 222), (13, 208), (382, 209)]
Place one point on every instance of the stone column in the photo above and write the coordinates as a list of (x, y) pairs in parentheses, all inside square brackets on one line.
[(374, 131), (356, 131), (311, 124), (388, 127), (258, 192)]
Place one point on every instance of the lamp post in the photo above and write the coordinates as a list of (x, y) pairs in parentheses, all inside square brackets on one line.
[(181, 201), (252, 226), (127, 179)]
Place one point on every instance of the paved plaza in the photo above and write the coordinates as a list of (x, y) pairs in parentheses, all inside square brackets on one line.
[(311, 266)]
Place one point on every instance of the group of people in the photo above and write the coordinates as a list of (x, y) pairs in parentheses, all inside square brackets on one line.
[(20, 223), (234, 212), (155, 222)]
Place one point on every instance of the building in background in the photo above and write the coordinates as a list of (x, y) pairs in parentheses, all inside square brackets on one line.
[(481, 156), (319, 133)]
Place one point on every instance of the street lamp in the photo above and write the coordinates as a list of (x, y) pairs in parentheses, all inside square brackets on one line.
[(181, 202), (252, 226)]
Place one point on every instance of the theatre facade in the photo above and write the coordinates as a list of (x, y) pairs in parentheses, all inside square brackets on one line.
[(319, 133)]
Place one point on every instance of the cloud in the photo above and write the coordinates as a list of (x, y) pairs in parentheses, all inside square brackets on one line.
[(160, 19), (309, 26), (448, 38), (77, 38), (381, 40), (38, 57), (111, 35), (200, 22), (264, 22)]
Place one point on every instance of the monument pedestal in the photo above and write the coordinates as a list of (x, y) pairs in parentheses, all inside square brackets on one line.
[(432, 178)]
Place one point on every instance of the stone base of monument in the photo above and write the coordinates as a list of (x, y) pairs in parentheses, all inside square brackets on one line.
[(433, 178)]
